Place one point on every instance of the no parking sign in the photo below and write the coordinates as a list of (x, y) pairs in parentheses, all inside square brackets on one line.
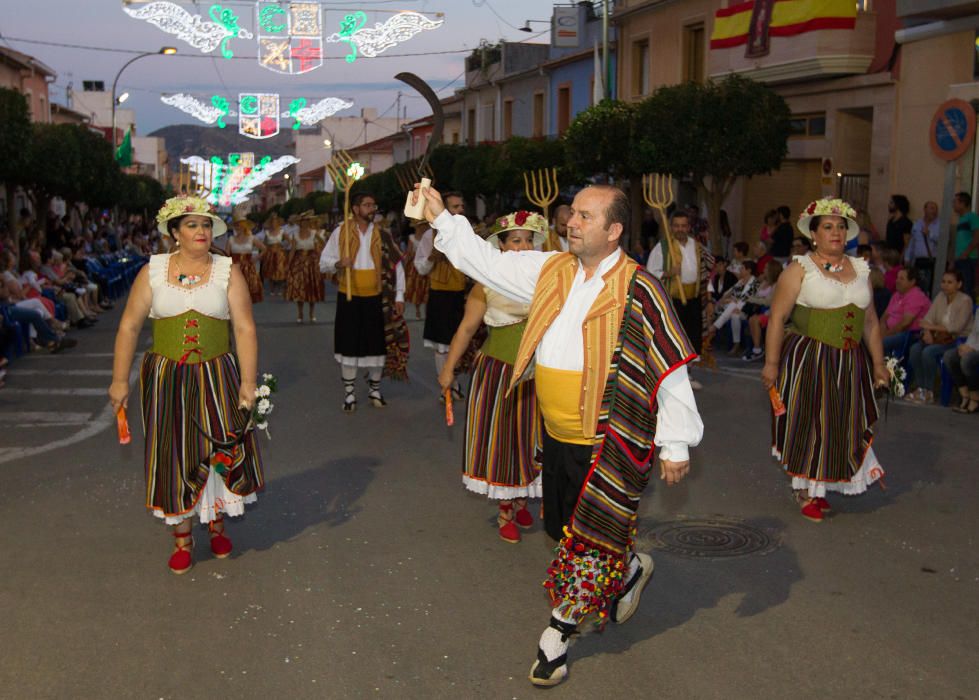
[(952, 129)]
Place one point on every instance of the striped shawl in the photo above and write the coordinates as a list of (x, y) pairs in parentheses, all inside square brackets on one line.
[(587, 574)]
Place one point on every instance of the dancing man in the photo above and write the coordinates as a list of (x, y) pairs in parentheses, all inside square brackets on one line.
[(609, 359), (446, 293), (370, 332)]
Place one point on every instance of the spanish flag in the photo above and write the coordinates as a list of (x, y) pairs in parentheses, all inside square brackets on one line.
[(732, 25)]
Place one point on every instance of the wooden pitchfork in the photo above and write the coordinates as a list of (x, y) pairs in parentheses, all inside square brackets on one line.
[(657, 192), (542, 188), (338, 168)]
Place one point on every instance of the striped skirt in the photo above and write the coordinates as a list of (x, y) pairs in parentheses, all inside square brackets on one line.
[(823, 439), (274, 263), (416, 285), (503, 434), (247, 266), (178, 455), (304, 279)]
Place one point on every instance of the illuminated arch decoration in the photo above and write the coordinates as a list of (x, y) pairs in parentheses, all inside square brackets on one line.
[(213, 113), (232, 182), (316, 112), (372, 41), (197, 31), (290, 36), (300, 111), (258, 114)]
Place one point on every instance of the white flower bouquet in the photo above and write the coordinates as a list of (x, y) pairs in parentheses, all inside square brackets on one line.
[(897, 376), (263, 405)]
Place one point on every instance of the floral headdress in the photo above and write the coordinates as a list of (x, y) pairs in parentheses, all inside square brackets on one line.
[(829, 206), (184, 205), (520, 221)]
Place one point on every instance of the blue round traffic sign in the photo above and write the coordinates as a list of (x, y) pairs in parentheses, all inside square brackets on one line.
[(952, 129)]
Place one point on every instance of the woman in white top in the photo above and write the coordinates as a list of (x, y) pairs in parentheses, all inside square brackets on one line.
[(274, 256), (241, 246), (826, 367), (199, 459), (503, 429)]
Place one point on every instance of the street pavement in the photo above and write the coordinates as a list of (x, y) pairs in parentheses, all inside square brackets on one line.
[(366, 570)]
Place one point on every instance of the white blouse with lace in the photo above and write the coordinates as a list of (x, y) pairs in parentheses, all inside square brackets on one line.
[(820, 291), (209, 297)]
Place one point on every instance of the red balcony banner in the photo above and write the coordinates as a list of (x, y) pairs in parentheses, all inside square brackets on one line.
[(733, 25)]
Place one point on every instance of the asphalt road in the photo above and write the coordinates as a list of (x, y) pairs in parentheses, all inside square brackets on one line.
[(366, 570)]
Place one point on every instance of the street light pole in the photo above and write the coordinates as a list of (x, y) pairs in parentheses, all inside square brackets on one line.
[(165, 51)]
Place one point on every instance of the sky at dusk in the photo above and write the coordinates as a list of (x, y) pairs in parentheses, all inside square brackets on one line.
[(369, 82)]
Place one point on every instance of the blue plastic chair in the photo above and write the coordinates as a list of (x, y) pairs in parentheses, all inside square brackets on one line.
[(22, 336)]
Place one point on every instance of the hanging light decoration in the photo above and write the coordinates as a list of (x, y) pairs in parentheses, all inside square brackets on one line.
[(213, 113), (290, 36), (231, 183), (258, 113), (316, 112), (372, 41), (194, 29)]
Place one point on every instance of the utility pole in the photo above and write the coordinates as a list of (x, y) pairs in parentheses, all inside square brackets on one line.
[(397, 111)]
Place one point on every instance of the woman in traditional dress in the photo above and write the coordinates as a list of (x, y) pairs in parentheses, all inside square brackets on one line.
[(416, 285), (826, 367), (503, 432), (240, 247), (199, 460), (274, 257), (304, 281)]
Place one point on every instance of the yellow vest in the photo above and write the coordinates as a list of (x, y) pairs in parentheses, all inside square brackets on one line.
[(600, 330), (445, 278), (363, 283)]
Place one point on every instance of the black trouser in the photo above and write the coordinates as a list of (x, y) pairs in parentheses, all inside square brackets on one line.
[(564, 470), (691, 318)]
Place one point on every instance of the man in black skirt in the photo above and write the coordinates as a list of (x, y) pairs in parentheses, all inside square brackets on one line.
[(372, 286), (446, 293)]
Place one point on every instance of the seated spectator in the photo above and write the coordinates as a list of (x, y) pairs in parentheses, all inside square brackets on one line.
[(38, 284), (731, 304), (882, 294), (902, 318), (949, 317), (762, 257), (877, 249), (864, 250), (739, 256), (962, 363), (800, 246), (756, 309), (721, 280), (16, 295), (892, 265), (75, 297), (41, 329)]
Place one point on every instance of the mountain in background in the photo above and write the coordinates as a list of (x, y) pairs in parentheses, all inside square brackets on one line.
[(183, 140)]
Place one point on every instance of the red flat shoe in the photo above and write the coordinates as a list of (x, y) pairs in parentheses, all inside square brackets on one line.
[(220, 544), (182, 560), (523, 518), (812, 512), (823, 504), (508, 530)]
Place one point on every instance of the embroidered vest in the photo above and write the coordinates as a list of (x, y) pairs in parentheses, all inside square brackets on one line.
[(362, 282), (599, 331)]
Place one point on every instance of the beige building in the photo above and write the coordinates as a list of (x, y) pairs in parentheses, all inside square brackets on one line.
[(862, 96)]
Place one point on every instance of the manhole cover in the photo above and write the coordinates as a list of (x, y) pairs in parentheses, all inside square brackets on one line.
[(708, 538)]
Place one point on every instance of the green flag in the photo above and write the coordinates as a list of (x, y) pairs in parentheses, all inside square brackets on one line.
[(124, 154)]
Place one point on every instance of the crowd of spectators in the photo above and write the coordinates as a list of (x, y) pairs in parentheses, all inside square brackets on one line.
[(58, 278)]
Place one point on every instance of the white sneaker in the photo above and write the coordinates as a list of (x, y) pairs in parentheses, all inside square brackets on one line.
[(626, 606)]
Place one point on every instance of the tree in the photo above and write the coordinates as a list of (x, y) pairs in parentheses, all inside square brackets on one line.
[(601, 141), (55, 166), (15, 145), (99, 177), (713, 133)]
